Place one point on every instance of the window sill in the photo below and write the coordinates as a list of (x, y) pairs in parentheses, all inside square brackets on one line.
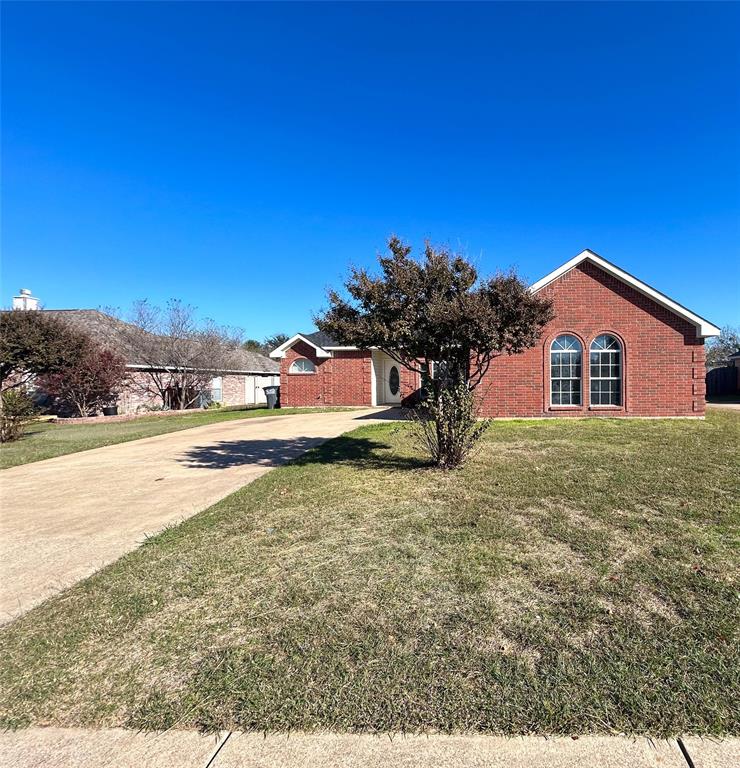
[(565, 408), (605, 408), (298, 373)]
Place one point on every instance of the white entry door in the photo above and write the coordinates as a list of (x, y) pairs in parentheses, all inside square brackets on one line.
[(391, 381)]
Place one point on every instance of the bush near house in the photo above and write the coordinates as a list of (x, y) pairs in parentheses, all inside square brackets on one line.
[(17, 411), (88, 383)]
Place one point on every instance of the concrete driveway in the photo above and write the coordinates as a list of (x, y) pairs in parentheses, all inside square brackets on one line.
[(64, 518)]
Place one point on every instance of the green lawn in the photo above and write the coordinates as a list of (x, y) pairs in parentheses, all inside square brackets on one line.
[(44, 440), (574, 577)]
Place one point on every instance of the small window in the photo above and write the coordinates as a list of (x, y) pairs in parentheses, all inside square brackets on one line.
[(302, 365), (606, 370), (565, 371), (217, 390)]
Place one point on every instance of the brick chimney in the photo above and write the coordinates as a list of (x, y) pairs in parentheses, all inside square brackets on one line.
[(24, 300)]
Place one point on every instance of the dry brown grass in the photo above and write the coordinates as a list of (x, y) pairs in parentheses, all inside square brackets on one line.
[(573, 577)]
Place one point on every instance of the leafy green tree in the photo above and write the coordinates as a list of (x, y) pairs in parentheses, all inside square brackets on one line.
[(438, 318), (33, 344), (274, 341), (721, 347), (252, 345), (266, 346)]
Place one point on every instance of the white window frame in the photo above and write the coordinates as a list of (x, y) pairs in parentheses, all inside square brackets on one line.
[(294, 372), (579, 379), (219, 389), (608, 352)]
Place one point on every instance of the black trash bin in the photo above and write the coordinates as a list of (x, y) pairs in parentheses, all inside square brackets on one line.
[(110, 410), (272, 394)]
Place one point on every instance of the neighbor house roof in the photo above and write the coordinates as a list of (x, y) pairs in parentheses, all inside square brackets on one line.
[(109, 331), (324, 344)]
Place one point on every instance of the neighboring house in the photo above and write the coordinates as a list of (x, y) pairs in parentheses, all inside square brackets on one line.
[(616, 347), (242, 384)]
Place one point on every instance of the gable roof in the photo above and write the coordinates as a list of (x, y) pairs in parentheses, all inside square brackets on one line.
[(321, 351), (323, 344), (703, 327), (109, 331)]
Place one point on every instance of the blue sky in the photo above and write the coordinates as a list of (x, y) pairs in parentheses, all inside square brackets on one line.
[(241, 156)]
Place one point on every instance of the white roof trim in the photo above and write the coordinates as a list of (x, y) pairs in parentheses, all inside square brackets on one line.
[(703, 327), (280, 351)]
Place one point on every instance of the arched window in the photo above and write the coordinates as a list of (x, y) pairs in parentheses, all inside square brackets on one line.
[(565, 371), (302, 365), (606, 370)]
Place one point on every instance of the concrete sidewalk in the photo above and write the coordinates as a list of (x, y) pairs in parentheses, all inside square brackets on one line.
[(66, 517), (116, 748)]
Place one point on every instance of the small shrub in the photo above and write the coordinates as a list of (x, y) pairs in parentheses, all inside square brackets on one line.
[(447, 426), (17, 412), (150, 408)]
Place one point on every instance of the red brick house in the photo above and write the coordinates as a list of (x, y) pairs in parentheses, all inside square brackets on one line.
[(616, 347)]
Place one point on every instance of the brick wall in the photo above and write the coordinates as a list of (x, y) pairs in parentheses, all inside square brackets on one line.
[(663, 361), (344, 379), (410, 383), (234, 389), (134, 396)]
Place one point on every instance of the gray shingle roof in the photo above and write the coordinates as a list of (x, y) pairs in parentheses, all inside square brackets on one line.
[(321, 339), (255, 362), (109, 331)]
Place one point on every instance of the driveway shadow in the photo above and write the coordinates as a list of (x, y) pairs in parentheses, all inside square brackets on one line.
[(360, 452), (389, 414), (270, 452)]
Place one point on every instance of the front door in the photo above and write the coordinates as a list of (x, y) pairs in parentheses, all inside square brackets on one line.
[(392, 381)]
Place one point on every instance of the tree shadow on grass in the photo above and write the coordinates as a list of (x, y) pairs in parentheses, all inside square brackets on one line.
[(361, 452)]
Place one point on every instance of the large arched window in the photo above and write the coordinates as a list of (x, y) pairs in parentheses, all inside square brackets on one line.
[(565, 371), (302, 365), (606, 370)]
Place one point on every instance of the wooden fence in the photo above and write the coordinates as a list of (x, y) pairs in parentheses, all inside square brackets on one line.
[(722, 381)]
